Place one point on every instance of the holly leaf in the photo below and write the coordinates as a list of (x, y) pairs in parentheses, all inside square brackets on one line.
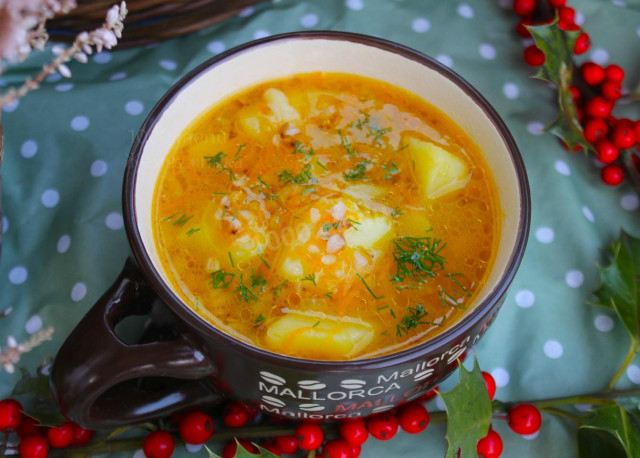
[(620, 285), (241, 452), (28, 384), (35, 393), (557, 45), (609, 431), (468, 412)]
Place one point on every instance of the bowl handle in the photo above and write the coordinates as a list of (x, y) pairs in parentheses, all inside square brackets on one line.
[(101, 382)]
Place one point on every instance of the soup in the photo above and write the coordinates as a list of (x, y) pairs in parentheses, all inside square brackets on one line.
[(326, 216)]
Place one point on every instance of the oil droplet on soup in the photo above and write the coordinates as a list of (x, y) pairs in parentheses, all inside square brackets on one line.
[(326, 216)]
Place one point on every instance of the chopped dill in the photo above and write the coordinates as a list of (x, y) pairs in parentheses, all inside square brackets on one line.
[(390, 170), (397, 212), (413, 319), (245, 292), (329, 295), (403, 147), (354, 223), (221, 193), (384, 333), (278, 289), (358, 172), (346, 145), (449, 301), (309, 190), (231, 259), (262, 182), (311, 278), (262, 259), (382, 308), (316, 324), (301, 178), (237, 156), (299, 148), (458, 284), (369, 289), (322, 165), (169, 218), (326, 227), (259, 320), (379, 133), (192, 231), (221, 279), (216, 160), (182, 220), (258, 282), (417, 258)]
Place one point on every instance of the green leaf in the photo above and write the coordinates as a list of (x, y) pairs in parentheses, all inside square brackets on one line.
[(36, 399), (241, 452), (468, 412), (557, 45), (28, 384), (620, 284), (609, 431)]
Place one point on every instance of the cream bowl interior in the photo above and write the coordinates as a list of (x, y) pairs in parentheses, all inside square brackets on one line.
[(283, 57)]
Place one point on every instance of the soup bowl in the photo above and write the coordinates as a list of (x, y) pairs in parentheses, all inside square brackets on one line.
[(101, 381)]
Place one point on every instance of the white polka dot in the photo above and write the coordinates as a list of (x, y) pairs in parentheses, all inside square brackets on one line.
[(620, 3), (420, 25), (168, 64), (18, 275), (600, 56), (603, 323), (630, 202), (501, 376), (29, 149), (511, 91), (2, 82), (638, 31), (53, 78), (216, 47), (63, 87), (98, 168), (134, 107), (50, 198), (261, 34), (78, 292), (535, 128), (553, 349), (114, 221), (545, 234), (531, 437), (63, 244), (445, 60), (355, 5), (487, 51), (578, 18), (583, 407), (11, 106), (525, 298), (118, 76), (574, 278), (80, 123), (309, 20), (193, 448), (439, 403), (465, 11), (633, 372), (562, 167), (138, 454), (33, 324), (586, 211), (5, 224), (248, 11), (102, 57)]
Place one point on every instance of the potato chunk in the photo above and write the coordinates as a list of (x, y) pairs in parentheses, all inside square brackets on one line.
[(368, 232), (439, 171), (322, 338), (278, 103)]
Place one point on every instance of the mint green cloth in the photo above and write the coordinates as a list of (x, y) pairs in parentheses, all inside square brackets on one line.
[(66, 146)]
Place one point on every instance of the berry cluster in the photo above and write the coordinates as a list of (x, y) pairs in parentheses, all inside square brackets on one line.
[(595, 91)]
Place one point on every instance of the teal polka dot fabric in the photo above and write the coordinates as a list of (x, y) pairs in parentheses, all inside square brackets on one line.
[(66, 146)]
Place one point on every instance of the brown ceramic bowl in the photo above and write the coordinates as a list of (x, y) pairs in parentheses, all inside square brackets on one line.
[(99, 381)]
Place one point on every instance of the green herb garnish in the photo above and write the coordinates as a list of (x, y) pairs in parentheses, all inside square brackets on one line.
[(311, 278), (245, 292), (259, 320), (182, 220), (417, 258), (169, 218), (397, 212), (413, 319), (221, 279), (322, 165), (447, 299), (327, 227), (346, 145), (299, 148), (231, 259), (258, 281), (358, 172), (216, 160), (237, 156), (458, 284), (301, 178), (278, 289), (309, 190), (369, 289), (329, 295), (192, 231), (390, 170), (353, 223)]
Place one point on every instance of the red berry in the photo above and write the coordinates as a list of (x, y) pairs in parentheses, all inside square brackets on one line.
[(614, 73), (524, 419), (575, 93), (28, 427), (575, 149), (337, 448), (623, 136), (533, 56), (413, 417), (524, 7), (595, 129), (557, 3), (607, 151), (490, 446), (383, 427), (598, 107), (491, 384), (354, 431), (612, 175), (568, 26), (235, 415), (521, 28), (356, 449), (10, 414), (81, 436), (272, 447), (158, 444), (62, 436), (231, 447), (196, 427), (566, 14), (288, 444), (33, 447), (592, 73), (582, 44), (309, 435), (611, 90)]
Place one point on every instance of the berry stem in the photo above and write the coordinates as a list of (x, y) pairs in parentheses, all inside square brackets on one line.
[(635, 345), (562, 413), (633, 173)]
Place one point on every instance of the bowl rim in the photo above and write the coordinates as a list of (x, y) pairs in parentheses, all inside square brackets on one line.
[(457, 332)]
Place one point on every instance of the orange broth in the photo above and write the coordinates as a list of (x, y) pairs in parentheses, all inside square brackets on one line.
[(305, 216)]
